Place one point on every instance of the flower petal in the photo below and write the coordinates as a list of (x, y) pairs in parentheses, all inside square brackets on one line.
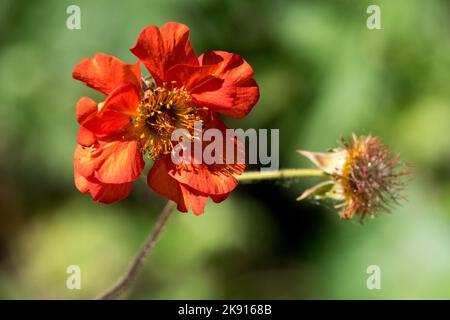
[(108, 193), (85, 137), (204, 178), (186, 198), (205, 89), (237, 73), (104, 73), (217, 198), (86, 181), (80, 182), (159, 180), (227, 65), (161, 48), (85, 109), (247, 95), (123, 99), (196, 200), (86, 161), (121, 162), (114, 114), (111, 163), (211, 179)]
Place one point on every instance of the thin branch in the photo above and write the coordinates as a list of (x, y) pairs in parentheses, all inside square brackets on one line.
[(137, 263), (280, 174)]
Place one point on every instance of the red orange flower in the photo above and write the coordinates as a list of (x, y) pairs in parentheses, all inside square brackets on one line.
[(138, 117)]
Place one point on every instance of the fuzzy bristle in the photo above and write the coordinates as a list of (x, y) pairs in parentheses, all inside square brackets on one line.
[(372, 177)]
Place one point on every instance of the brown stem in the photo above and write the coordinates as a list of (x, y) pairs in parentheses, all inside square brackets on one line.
[(138, 261)]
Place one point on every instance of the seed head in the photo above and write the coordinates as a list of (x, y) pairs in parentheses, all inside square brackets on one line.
[(365, 177)]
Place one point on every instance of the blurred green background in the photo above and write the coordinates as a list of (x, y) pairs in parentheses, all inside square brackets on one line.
[(323, 75)]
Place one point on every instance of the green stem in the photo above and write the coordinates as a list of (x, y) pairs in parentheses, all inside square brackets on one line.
[(136, 265), (280, 174)]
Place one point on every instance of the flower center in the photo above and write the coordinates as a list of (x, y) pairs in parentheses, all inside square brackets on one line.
[(161, 111)]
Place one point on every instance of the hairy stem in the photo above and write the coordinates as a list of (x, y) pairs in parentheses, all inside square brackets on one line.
[(280, 174), (136, 265)]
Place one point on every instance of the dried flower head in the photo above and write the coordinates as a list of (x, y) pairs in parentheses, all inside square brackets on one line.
[(365, 177)]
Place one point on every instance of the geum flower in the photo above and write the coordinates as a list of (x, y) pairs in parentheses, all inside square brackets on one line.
[(139, 115), (365, 177)]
